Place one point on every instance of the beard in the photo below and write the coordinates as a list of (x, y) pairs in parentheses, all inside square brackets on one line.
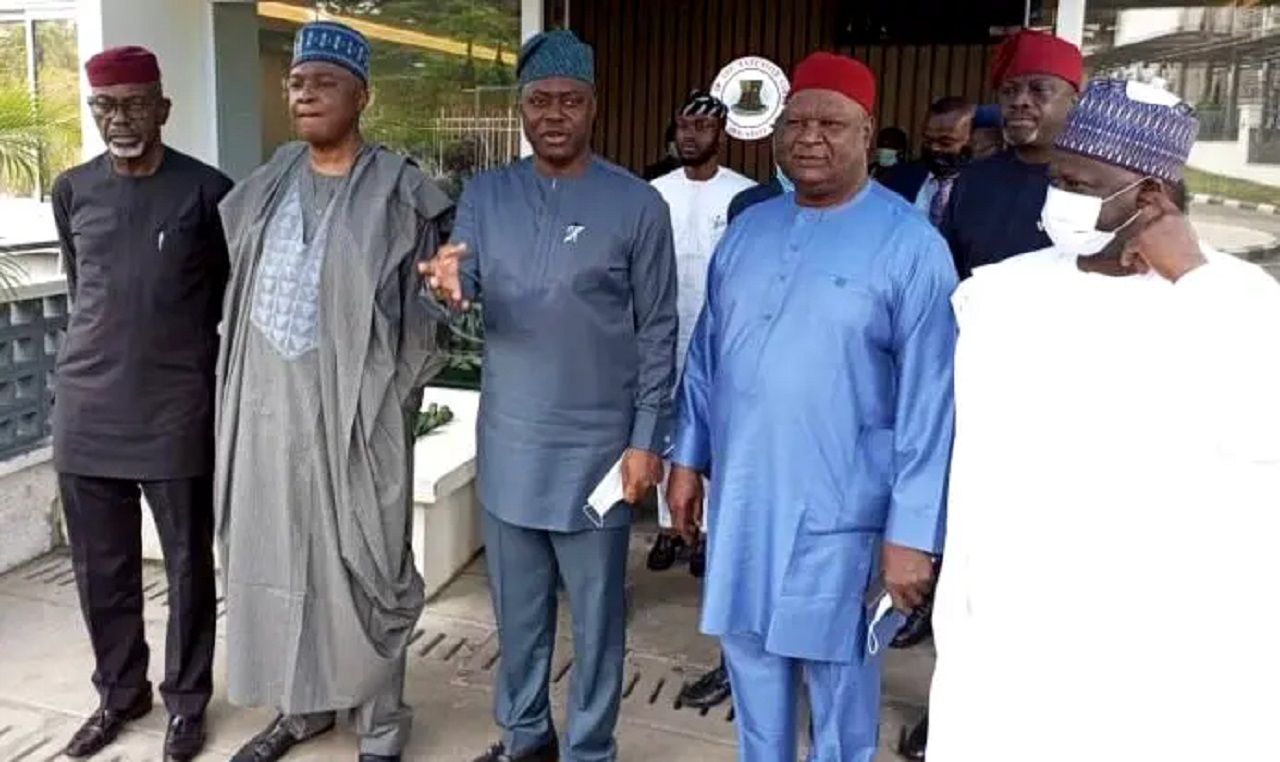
[(127, 151), (1017, 138), (699, 159)]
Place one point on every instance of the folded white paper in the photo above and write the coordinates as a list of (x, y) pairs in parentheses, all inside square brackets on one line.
[(606, 495)]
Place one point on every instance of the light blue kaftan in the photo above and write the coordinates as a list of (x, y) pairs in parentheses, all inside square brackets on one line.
[(818, 392)]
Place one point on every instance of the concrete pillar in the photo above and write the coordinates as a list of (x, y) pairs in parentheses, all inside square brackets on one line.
[(532, 19), (1070, 21), (208, 51)]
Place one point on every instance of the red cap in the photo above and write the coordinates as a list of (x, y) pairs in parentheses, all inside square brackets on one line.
[(842, 74), (1033, 52), (130, 65)]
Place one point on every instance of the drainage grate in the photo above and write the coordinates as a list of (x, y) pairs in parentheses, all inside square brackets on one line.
[(52, 578), (649, 694)]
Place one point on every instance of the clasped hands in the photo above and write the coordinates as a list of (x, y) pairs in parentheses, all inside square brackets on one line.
[(443, 275)]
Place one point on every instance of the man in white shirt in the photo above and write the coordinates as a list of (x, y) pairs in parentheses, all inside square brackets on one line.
[(1116, 459), (699, 194)]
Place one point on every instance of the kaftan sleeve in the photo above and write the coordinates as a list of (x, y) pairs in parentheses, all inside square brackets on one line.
[(461, 227), (691, 443), (66, 241), (653, 298), (1228, 312), (923, 346), (465, 230), (423, 333)]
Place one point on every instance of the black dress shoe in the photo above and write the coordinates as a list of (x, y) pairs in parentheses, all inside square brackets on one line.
[(707, 691), (666, 548), (103, 726), (549, 752), (379, 758), (184, 739), (272, 743), (911, 745), (917, 628), (698, 560)]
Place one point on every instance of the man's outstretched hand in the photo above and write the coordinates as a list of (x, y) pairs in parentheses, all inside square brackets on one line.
[(443, 274)]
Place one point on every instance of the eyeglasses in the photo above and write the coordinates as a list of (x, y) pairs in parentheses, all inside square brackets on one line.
[(136, 107), (1040, 89)]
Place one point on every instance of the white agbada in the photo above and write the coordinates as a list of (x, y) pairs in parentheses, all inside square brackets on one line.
[(1113, 509), (699, 217)]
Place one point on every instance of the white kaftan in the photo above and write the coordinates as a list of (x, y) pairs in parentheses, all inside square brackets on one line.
[(1114, 496), (699, 217)]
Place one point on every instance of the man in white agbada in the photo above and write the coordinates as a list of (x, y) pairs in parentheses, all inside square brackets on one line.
[(698, 193), (1116, 463)]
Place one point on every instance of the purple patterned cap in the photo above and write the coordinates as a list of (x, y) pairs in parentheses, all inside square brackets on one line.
[(1133, 125)]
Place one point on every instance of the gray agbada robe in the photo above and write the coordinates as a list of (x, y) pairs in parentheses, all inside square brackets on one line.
[(326, 347)]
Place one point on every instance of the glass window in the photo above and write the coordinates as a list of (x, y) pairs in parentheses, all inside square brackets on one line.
[(13, 54), (1224, 59), (58, 96), (15, 105), (443, 91), (443, 77)]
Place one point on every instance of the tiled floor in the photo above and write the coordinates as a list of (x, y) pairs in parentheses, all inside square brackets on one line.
[(45, 665)]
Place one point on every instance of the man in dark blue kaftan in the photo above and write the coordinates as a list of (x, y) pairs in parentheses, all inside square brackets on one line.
[(574, 262)]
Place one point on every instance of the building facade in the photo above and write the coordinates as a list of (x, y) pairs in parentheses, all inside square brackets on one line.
[(444, 69)]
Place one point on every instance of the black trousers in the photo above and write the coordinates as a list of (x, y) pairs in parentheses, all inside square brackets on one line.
[(104, 525)]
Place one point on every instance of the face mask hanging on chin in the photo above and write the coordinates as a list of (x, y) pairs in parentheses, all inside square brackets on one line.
[(886, 157), (1071, 221)]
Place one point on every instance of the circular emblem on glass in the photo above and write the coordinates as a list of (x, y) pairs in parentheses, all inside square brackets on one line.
[(755, 90)]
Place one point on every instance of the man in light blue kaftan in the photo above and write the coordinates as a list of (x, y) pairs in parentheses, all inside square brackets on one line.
[(573, 260), (818, 383)]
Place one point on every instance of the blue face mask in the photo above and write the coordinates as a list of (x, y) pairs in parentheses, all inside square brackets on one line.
[(783, 180)]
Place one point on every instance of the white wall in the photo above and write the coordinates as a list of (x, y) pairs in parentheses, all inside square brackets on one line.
[(1230, 159), (1138, 24), (182, 35)]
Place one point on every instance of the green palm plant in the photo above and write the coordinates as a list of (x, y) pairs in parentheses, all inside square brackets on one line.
[(31, 132)]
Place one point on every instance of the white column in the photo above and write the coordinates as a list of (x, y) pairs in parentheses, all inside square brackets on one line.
[(182, 35), (531, 21), (1071, 20)]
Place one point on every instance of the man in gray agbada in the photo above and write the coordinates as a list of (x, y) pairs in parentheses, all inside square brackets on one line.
[(328, 340), (573, 259)]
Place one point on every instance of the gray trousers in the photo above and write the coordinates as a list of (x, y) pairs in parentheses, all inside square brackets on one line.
[(524, 568), (383, 722)]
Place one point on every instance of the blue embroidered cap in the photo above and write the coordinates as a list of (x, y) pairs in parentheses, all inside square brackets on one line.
[(1133, 125), (333, 43), (987, 117), (557, 53)]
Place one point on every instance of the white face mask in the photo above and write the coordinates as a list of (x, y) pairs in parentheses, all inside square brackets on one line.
[(1071, 221), (886, 157)]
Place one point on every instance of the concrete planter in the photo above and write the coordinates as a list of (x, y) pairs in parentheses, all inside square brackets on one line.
[(30, 515)]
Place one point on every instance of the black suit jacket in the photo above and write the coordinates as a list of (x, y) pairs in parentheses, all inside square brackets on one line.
[(906, 179), (754, 195)]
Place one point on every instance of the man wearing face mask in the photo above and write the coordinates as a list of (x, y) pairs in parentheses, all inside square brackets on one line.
[(994, 209), (1117, 423), (944, 151), (892, 146)]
